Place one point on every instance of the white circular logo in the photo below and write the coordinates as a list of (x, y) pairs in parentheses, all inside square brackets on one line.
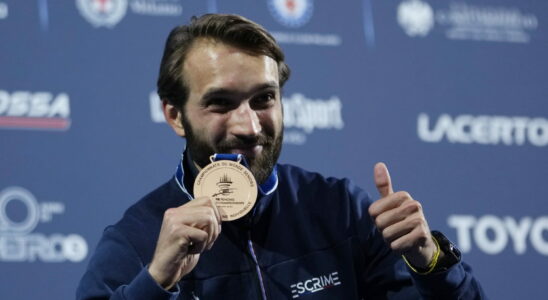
[(291, 13), (7, 225), (100, 13), (415, 17), (74, 248)]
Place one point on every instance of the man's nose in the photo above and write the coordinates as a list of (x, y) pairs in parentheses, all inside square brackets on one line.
[(245, 121)]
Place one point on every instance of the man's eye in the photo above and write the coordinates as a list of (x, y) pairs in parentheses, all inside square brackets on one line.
[(219, 102), (264, 99)]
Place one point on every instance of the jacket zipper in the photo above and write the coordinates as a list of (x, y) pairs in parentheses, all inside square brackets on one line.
[(257, 268)]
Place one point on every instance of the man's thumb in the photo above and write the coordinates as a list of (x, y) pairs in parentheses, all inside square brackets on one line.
[(382, 179)]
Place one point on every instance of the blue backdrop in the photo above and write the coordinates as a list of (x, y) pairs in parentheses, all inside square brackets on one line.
[(452, 95)]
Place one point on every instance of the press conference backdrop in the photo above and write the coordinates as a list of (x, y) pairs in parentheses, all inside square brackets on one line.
[(452, 95)]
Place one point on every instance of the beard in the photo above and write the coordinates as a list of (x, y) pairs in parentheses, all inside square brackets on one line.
[(261, 165)]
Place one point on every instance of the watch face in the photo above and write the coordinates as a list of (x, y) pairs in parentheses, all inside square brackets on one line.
[(452, 253)]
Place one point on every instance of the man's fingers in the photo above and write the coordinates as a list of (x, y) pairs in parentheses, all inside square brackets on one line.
[(400, 220), (395, 230), (388, 203), (214, 227), (197, 239), (414, 238), (202, 218), (186, 231), (382, 180), (388, 218), (207, 201), (215, 210), (200, 213), (407, 208), (219, 220)]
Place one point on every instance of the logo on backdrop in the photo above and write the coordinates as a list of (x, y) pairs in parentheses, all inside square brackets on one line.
[(101, 13), (302, 115), (108, 13), (3, 10), (463, 21), (314, 285), (294, 14), (291, 13), (492, 234), (20, 215), (416, 17), (484, 130), (34, 110), (156, 113)]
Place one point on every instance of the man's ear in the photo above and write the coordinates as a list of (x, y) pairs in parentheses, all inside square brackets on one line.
[(173, 117)]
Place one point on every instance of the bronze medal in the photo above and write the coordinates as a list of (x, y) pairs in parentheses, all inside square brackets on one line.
[(231, 185)]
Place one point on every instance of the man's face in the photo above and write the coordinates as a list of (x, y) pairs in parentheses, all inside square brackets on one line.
[(233, 106)]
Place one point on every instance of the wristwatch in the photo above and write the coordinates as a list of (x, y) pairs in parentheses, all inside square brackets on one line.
[(451, 253)]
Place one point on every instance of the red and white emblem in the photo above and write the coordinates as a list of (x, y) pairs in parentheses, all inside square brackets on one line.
[(101, 13), (291, 13)]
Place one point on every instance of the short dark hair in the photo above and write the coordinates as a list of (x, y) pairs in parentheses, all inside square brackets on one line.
[(231, 29)]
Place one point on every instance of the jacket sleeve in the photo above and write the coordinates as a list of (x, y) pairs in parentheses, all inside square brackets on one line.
[(457, 282), (116, 272), (384, 275)]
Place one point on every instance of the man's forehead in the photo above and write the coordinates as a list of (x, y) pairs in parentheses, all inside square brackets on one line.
[(212, 63), (202, 43), (213, 50)]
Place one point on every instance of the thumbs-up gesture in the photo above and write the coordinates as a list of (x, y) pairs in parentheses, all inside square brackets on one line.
[(401, 221)]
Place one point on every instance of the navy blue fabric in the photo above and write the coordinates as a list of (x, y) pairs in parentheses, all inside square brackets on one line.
[(309, 227)]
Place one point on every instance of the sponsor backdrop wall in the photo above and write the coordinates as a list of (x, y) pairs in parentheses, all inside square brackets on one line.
[(452, 95)]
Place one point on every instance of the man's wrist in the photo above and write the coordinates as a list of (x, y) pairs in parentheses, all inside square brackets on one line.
[(158, 279), (445, 256), (433, 262)]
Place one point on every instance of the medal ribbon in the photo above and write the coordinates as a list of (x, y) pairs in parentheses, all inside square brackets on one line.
[(179, 175)]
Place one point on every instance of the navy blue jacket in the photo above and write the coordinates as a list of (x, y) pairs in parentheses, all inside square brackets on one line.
[(311, 238)]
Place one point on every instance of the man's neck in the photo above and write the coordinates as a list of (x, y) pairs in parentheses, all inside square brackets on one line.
[(191, 165)]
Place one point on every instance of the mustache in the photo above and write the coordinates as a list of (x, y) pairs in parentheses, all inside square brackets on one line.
[(244, 142)]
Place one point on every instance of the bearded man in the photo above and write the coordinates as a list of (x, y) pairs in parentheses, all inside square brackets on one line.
[(306, 235)]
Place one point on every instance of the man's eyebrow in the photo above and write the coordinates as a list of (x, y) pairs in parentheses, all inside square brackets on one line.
[(213, 92)]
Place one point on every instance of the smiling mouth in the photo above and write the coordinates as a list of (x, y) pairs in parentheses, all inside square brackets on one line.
[(248, 151)]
